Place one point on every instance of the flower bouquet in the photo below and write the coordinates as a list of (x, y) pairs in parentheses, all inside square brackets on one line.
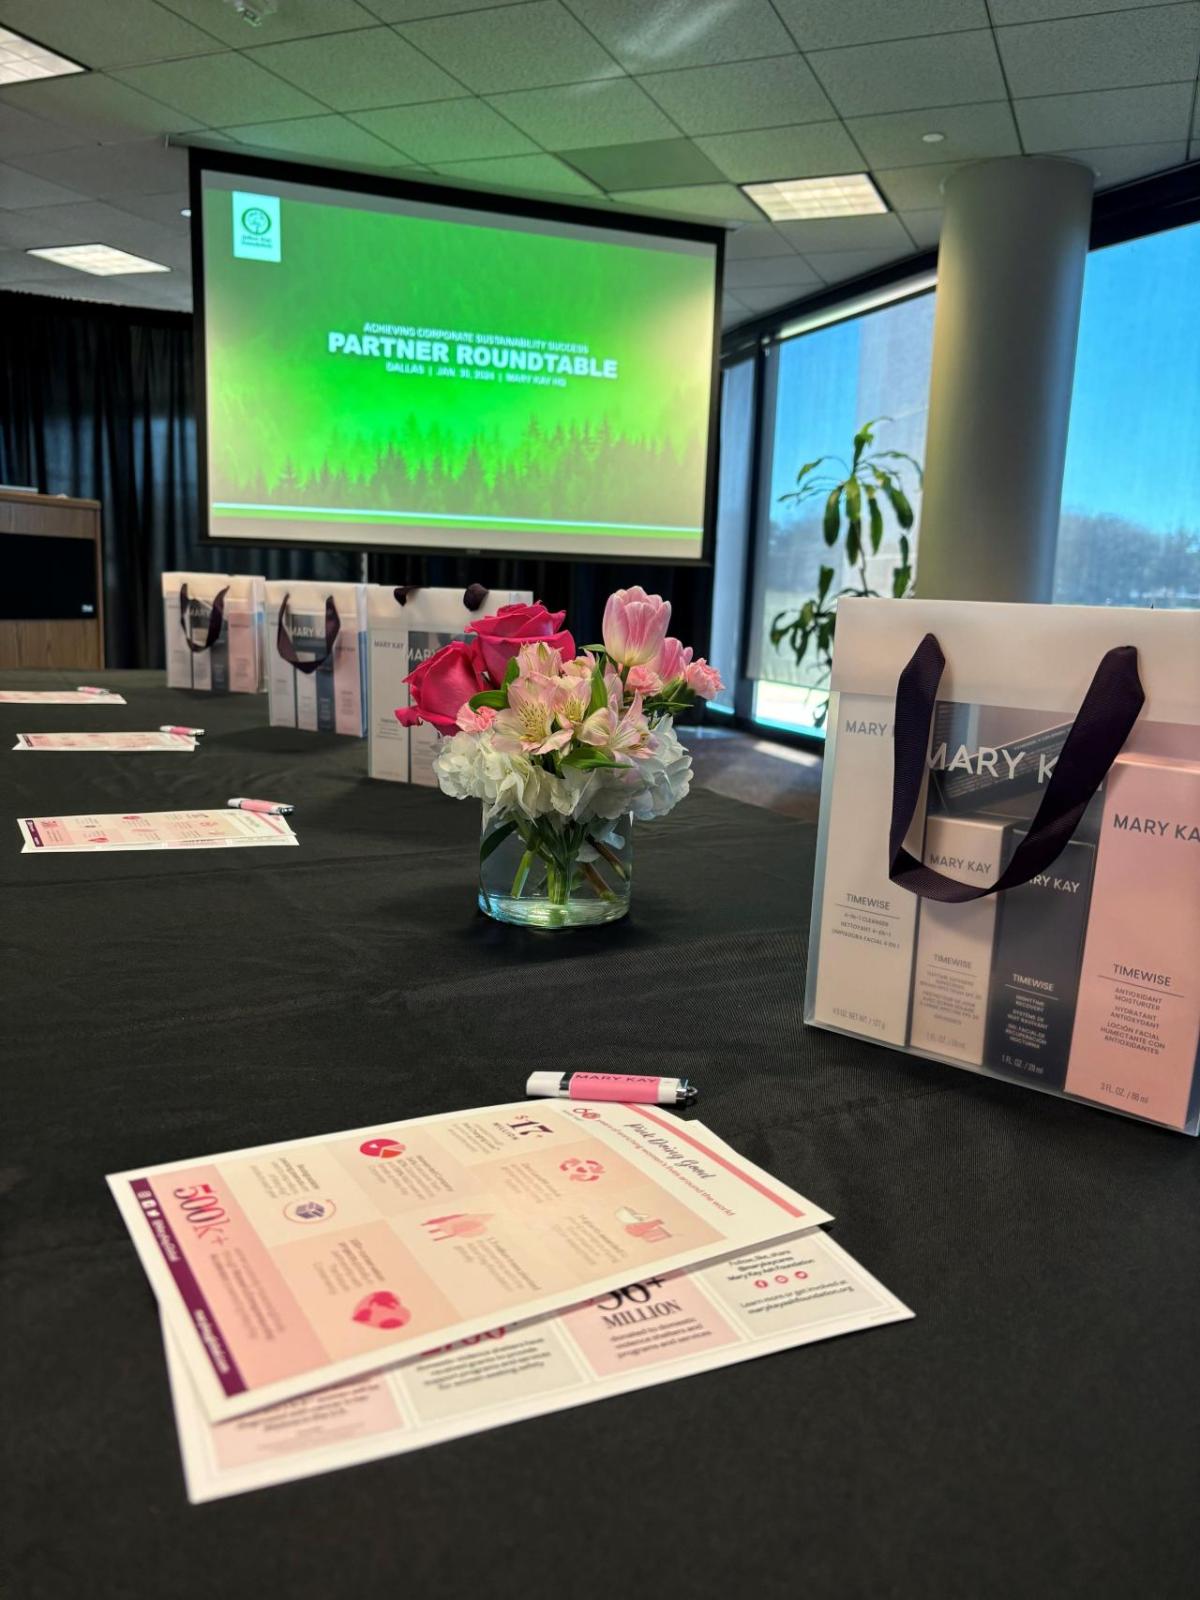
[(564, 748)]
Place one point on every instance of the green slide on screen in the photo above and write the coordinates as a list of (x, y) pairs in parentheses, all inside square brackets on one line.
[(497, 376)]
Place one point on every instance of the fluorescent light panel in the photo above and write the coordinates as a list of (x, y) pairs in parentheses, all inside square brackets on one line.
[(803, 199), (101, 260), (21, 59)]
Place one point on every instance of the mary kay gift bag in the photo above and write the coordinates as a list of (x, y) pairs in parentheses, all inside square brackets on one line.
[(405, 627), (316, 649), (212, 628), (1009, 850)]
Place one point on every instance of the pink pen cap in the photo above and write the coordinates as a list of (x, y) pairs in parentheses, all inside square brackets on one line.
[(192, 733), (268, 808)]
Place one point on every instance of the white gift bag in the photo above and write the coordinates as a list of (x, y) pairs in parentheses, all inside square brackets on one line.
[(316, 647), (1008, 861), (406, 627), (212, 627)]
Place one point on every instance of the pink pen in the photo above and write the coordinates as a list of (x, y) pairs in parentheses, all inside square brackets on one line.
[(89, 688), (268, 808), (624, 1086), (191, 733)]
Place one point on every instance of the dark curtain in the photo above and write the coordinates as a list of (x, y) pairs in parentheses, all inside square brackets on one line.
[(97, 402)]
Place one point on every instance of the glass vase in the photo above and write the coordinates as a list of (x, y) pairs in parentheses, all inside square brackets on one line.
[(553, 872)]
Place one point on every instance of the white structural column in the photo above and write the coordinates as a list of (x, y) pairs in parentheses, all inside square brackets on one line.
[(1010, 279)]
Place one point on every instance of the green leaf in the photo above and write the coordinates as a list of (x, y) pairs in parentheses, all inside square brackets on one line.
[(904, 549), (900, 505), (853, 520), (876, 518), (809, 466), (901, 578), (824, 580), (865, 436), (510, 671), (496, 698), (833, 518), (495, 840), (900, 455), (599, 696)]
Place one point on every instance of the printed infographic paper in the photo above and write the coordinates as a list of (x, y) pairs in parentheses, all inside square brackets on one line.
[(795, 1292), (288, 1266), (58, 697), (104, 741), (153, 830)]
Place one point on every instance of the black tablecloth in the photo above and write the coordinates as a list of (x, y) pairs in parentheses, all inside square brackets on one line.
[(1032, 1433)]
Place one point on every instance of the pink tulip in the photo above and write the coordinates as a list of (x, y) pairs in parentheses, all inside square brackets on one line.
[(703, 680), (673, 660), (635, 625)]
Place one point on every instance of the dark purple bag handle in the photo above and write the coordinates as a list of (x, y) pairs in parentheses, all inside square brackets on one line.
[(473, 595), (283, 640), (1109, 710), (216, 617)]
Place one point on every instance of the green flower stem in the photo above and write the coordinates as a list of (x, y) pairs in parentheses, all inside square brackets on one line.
[(522, 873), (609, 855)]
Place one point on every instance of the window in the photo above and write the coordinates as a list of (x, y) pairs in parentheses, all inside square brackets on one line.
[(733, 526), (1130, 528), (824, 385)]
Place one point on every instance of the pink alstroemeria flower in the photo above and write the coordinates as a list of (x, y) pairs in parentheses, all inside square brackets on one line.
[(527, 726), (540, 660), (635, 625), (623, 736)]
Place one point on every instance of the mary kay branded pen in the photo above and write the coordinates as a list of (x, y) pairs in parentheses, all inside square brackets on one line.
[(268, 808), (612, 1086)]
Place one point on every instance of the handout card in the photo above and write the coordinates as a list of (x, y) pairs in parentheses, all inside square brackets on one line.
[(59, 697), (105, 741), (288, 1266), (794, 1292), (152, 830)]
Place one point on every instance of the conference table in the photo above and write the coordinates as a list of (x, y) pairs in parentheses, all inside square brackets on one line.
[(1032, 1432)]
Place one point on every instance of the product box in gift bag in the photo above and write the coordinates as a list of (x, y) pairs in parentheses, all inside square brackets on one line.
[(316, 648), (212, 628), (1009, 850), (405, 627)]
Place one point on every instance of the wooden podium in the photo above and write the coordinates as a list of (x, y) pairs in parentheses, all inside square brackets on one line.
[(51, 581)]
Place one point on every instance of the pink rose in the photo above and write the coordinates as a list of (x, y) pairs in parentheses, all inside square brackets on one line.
[(439, 687), (703, 680), (635, 625), (501, 637)]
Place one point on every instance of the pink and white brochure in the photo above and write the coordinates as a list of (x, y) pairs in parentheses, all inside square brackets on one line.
[(59, 697), (152, 830), (291, 1266), (794, 1292), (104, 741)]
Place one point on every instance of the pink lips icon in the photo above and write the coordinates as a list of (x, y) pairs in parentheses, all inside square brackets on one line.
[(382, 1310)]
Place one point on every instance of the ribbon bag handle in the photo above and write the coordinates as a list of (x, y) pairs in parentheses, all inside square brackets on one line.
[(1109, 710), (283, 640), (216, 617)]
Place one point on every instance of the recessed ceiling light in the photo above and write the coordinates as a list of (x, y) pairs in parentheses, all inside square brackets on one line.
[(22, 59), (791, 199), (933, 138), (100, 259)]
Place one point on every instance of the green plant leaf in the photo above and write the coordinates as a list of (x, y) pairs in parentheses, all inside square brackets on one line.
[(900, 455), (496, 698), (495, 840), (809, 466), (833, 518), (853, 520), (599, 695), (865, 436), (876, 520), (510, 671), (901, 577), (904, 549), (825, 578), (900, 505)]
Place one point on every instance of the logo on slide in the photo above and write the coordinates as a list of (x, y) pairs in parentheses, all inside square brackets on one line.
[(256, 228), (383, 1149)]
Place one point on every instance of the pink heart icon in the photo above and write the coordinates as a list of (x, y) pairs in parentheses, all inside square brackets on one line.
[(382, 1309)]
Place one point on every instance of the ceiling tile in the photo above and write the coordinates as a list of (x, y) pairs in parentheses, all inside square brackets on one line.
[(1005, 11), (578, 115), (19, 132), (658, 163), (771, 272), (755, 241), (20, 190), (412, 10), (101, 169), (825, 24), (732, 309), (971, 133), (220, 90), (164, 209), (923, 227), (447, 130), (914, 188), (533, 173), (838, 266), (1115, 164), (107, 35), (358, 71), (94, 222), (513, 47), (330, 138), (94, 106), (684, 33), (720, 202), (846, 233), (21, 230), (758, 300), (950, 69), (1106, 117), (294, 20), (815, 150), (741, 95), (1120, 49)]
